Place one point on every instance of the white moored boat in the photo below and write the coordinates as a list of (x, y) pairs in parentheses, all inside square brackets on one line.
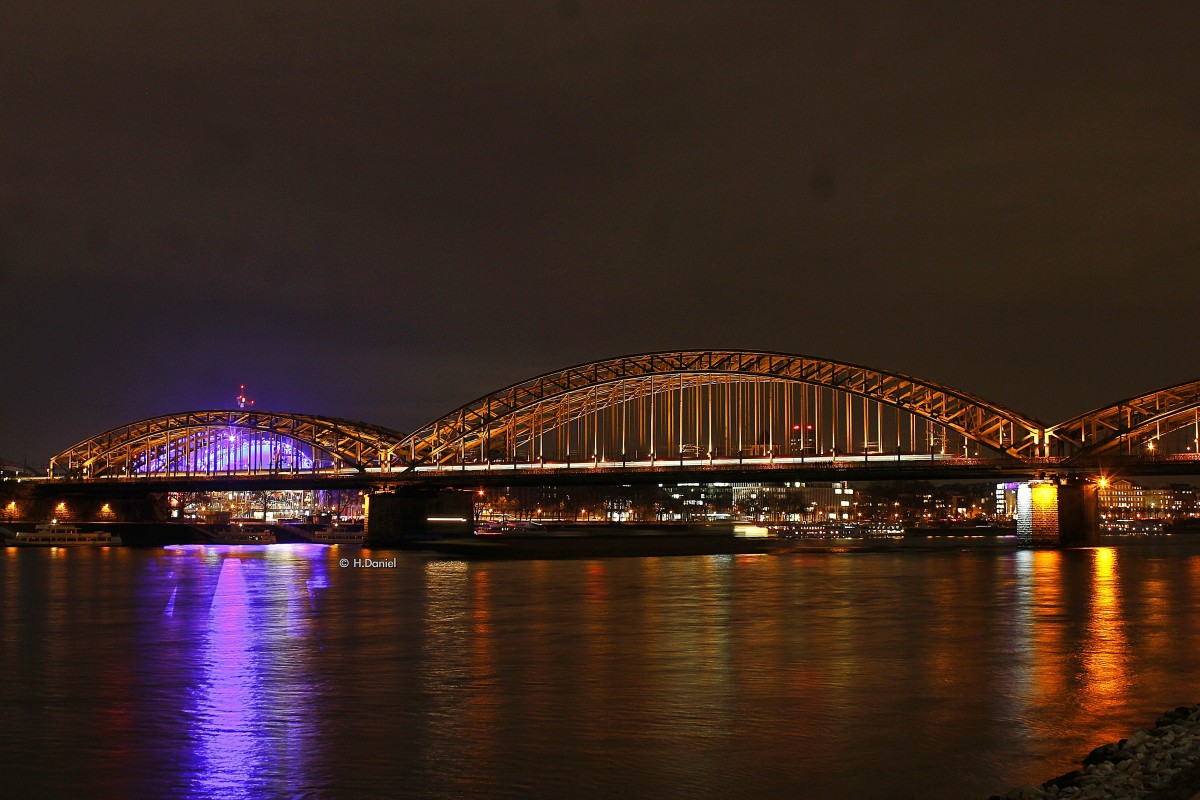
[(52, 534)]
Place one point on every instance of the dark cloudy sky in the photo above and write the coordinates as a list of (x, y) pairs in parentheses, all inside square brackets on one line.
[(382, 210)]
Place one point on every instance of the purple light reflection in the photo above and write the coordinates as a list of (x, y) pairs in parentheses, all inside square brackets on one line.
[(230, 753), (318, 583), (252, 721)]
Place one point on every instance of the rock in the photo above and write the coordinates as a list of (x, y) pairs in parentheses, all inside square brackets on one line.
[(1140, 767), (1180, 712), (1102, 753), (1064, 780)]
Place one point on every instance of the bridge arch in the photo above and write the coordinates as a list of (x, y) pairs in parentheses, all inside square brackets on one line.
[(1135, 425), (686, 389), (241, 441)]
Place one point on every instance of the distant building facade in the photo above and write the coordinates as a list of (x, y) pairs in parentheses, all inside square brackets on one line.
[(1123, 499)]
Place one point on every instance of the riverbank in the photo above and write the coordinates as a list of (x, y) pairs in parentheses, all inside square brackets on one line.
[(1162, 763)]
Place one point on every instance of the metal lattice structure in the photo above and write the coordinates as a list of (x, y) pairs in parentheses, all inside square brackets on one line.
[(224, 442), (618, 408), (1166, 419), (707, 409)]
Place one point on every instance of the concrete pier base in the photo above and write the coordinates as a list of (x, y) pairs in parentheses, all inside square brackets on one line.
[(394, 518), (1053, 514)]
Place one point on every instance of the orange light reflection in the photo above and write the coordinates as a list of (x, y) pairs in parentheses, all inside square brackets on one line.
[(1106, 650)]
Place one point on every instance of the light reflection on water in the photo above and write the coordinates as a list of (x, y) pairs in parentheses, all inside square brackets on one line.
[(226, 720), (249, 719), (1105, 653), (255, 671)]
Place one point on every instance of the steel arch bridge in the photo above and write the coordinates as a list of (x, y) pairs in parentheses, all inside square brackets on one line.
[(700, 410), (1160, 424), (715, 405), (222, 442)]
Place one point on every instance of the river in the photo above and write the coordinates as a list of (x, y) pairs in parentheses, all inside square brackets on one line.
[(226, 672)]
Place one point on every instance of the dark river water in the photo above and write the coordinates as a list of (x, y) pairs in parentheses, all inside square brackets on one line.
[(227, 672)]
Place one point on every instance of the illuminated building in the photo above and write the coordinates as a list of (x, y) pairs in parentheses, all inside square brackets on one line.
[(235, 452), (1122, 499)]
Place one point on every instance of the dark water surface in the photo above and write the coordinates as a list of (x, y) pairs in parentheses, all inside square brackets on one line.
[(225, 672)]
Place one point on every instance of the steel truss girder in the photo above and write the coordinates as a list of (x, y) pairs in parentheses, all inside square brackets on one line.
[(353, 444), (1131, 420), (464, 428)]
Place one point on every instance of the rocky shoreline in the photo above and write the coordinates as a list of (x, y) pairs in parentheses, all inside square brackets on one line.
[(1162, 763)]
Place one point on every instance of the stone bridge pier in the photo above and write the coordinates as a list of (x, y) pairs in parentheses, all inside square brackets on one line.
[(412, 514), (1056, 512)]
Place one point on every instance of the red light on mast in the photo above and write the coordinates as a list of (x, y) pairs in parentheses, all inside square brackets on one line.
[(242, 401)]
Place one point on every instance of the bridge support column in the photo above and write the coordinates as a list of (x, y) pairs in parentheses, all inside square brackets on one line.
[(394, 518), (1053, 514)]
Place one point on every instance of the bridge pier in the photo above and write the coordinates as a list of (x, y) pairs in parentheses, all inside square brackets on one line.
[(1051, 513), (406, 515)]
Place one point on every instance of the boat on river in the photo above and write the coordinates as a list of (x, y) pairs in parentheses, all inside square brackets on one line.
[(339, 535), (242, 534), (53, 534)]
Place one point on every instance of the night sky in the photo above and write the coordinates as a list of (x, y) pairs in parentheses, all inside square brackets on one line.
[(383, 210)]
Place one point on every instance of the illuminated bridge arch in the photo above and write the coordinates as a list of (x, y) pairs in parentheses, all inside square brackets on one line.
[(239, 442), (1165, 421), (705, 405)]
